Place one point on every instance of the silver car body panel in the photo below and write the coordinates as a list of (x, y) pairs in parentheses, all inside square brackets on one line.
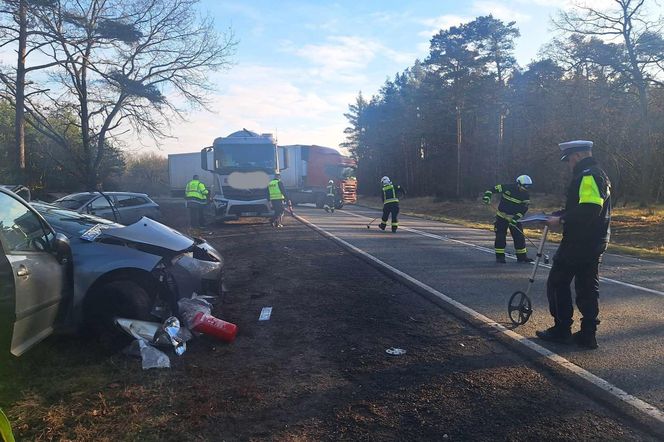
[(149, 232)]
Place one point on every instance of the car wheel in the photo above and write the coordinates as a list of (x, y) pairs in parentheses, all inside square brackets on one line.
[(116, 299)]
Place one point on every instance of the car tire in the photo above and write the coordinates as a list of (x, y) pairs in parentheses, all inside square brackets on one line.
[(120, 298)]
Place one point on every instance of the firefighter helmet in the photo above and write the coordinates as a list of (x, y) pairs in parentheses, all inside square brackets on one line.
[(524, 181), (330, 182), (385, 181)]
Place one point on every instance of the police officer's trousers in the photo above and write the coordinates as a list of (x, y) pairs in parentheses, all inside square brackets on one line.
[(500, 227), (586, 285), (390, 209)]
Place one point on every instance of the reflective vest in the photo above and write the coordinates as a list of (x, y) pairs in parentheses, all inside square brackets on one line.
[(196, 189), (390, 194), (275, 191), (330, 190)]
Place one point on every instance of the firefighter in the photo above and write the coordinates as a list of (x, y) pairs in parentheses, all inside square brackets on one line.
[(196, 195), (276, 195), (586, 229), (514, 201), (390, 203), (330, 198)]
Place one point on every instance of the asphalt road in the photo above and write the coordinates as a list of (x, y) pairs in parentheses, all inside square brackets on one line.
[(459, 262)]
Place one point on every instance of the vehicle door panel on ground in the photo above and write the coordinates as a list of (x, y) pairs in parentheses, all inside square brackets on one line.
[(39, 278)]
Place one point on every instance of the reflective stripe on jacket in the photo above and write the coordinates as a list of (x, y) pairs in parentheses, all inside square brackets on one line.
[(274, 190), (331, 190), (390, 194), (196, 189)]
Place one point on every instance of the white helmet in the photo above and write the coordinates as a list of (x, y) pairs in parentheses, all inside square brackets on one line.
[(524, 181), (385, 181), (330, 182)]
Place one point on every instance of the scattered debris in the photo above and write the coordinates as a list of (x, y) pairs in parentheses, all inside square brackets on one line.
[(170, 333), (266, 312), (150, 356), (395, 351), (190, 307)]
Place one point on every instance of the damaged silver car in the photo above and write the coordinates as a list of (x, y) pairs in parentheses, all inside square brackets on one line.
[(137, 271)]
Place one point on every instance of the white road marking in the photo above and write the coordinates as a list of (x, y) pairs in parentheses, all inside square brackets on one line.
[(639, 404), (491, 251)]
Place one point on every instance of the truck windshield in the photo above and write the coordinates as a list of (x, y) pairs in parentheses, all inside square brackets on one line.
[(245, 157)]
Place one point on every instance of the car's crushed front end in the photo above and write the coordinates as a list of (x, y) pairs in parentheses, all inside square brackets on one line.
[(178, 266)]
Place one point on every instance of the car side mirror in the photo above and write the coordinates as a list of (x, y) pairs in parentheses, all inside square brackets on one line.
[(62, 248)]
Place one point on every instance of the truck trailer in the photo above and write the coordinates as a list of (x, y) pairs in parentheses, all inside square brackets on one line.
[(182, 167), (308, 168)]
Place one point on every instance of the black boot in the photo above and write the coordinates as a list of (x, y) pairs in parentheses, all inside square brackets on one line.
[(500, 258), (586, 339), (523, 258), (382, 226), (562, 335)]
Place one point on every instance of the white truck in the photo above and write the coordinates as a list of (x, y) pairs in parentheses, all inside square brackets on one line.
[(242, 164), (182, 167)]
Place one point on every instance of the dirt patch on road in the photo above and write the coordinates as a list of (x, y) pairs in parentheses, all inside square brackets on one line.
[(317, 370)]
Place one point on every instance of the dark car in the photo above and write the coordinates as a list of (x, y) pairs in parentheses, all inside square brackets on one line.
[(121, 207)]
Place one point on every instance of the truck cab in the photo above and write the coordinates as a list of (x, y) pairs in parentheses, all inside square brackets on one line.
[(243, 163)]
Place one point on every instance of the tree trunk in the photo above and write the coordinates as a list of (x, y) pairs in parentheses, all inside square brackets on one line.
[(19, 122), (459, 138)]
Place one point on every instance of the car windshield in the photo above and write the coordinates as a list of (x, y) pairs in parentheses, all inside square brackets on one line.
[(73, 201), (70, 223)]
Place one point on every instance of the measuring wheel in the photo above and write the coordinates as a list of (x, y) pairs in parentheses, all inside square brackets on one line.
[(519, 308)]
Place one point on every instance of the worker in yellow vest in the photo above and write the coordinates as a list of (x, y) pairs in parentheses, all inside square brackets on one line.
[(276, 195), (197, 197)]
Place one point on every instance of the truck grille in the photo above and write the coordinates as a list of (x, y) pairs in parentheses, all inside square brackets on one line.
[(243, 195)]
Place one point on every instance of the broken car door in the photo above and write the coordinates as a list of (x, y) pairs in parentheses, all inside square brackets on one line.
[(39, 278)]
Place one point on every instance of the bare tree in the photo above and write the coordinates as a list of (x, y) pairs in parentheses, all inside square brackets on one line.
[(124, 65), (634, 45), (18, 29)]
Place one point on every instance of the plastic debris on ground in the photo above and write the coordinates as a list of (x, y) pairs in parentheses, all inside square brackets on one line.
[(266, 312), (190, 307), (170, 333), (395, 351), (151, 357), (139, 329)]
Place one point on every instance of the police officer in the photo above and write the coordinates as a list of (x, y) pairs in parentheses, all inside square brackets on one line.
[(196, 195), (514, 201), (276, 195), (585, 222), (390, 203), (330, 197)]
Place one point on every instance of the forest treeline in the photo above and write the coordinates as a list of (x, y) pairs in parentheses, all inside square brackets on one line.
[(468, 116)]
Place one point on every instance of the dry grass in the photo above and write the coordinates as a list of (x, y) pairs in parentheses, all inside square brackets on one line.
[(634, 230)]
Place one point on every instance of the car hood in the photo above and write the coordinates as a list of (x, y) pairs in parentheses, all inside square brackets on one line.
[(151, 233)]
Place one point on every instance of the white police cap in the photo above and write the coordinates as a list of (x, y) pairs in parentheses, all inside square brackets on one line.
[(569, 147)]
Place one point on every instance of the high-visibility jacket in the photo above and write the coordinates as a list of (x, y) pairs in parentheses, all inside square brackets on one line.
[(196, 190), (274, 190), (587, 216), (390, 193), (514, 200), (331, 190)]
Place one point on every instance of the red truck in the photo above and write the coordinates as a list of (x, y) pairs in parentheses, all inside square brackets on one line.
[(308, 170)]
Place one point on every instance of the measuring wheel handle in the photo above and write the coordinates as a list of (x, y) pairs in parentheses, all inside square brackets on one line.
[(519, 308)]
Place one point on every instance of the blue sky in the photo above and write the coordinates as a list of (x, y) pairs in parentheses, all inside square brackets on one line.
[(299, 64)]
